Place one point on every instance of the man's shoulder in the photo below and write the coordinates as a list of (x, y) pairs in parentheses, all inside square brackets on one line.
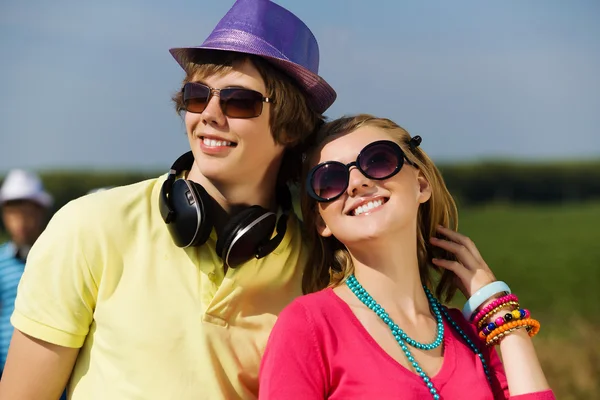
[(117, 200), (108, 211), (141, 191)]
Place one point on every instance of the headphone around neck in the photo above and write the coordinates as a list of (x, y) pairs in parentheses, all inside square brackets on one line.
[(186, 208)]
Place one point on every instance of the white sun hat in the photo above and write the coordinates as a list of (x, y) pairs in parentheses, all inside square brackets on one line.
[(24, 185)]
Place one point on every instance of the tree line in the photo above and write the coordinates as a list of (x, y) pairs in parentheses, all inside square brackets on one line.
[(470, 184)]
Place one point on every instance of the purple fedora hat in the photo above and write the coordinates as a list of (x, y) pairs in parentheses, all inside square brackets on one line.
[(265, 29)]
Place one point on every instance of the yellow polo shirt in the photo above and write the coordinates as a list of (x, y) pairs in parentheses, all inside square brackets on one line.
[(153, 321)]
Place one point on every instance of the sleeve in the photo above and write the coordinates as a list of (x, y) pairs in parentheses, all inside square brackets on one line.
[(57, 293), (292, 366), (545, 395)]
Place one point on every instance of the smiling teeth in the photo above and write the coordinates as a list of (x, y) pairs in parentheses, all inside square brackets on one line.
[(367, 207), (216, 143)]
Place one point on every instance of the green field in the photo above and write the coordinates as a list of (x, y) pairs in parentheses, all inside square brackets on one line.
[(550, 257)]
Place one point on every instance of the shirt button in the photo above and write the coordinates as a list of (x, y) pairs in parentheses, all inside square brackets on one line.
[(211, 276)]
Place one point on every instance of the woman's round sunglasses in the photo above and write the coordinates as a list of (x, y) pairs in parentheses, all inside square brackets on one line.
[(235, 102), (378, 160)]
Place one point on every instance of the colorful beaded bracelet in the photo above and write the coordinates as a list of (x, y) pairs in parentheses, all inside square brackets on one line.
[(483, 320), (532, 326), (498, 338), (494, 304), (498, 322)]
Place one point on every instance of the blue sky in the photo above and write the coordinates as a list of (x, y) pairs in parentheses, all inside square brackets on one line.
[(87, 84)]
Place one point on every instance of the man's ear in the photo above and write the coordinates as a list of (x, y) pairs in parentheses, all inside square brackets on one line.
[(322, 227), (424, 188)]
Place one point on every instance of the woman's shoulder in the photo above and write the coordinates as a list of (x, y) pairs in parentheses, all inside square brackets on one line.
[(314, 302), (310, 308)]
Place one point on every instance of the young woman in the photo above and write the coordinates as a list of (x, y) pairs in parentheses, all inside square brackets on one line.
[(382, 225)]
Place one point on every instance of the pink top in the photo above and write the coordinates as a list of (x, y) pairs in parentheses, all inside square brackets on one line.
[(318, 349)]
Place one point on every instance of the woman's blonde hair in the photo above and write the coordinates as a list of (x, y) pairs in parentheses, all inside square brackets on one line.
[(330, 262), (292, 121)]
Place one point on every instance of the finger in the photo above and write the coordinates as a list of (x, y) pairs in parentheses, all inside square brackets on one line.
[(460, 251), (459, 270), (462, 239)]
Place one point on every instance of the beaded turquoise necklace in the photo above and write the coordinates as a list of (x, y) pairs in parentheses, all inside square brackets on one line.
[(403, 339)]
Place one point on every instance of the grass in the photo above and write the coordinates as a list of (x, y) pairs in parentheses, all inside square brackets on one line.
[(550, 258), (571, 362), (548, 255)]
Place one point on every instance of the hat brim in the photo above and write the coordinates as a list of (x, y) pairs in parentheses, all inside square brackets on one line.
[(320, 95), (42, 198)]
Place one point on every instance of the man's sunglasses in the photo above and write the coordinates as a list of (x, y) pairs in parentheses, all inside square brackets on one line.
[(378, 160), (235, 102)]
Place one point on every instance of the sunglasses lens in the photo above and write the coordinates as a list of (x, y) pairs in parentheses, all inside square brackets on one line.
[(241, 103), (329, 180), (195, 97), (380, 161), (235, 103)]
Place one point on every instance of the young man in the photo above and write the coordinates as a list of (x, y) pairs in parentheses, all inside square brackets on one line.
[(24, 204), (168, 289)]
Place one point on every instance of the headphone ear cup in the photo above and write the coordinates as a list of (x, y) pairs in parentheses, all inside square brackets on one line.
[(192, 221), (243, 235), (206, 214)]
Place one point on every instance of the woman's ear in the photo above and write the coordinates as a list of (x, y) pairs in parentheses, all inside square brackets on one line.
[(424, 188), (322, 227)]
